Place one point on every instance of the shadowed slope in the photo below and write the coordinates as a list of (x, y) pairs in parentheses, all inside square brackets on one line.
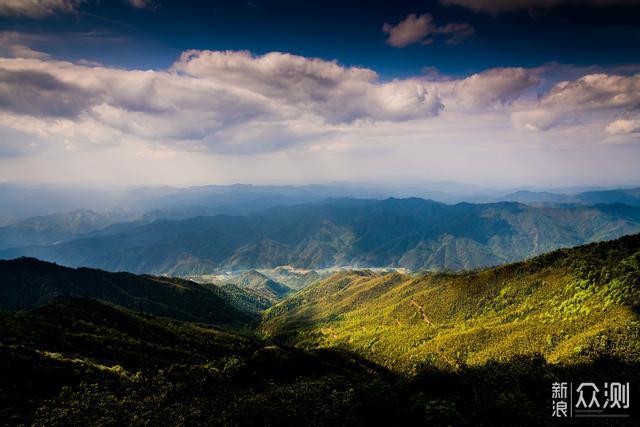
[(28, 283)]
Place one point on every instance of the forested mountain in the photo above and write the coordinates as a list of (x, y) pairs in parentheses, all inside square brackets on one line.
[(570, 306), (28, 283), (410, 233), (261, 284), (477, 348)]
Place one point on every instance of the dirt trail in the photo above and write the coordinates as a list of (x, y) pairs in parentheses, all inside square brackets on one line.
[(421, 309)]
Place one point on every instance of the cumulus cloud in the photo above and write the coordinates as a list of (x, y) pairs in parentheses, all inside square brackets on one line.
[(498, 6), (591, 96), (324, 88), (624, 126), (36, 8), (229, 102), (234, 102), (498, 86), (414, 29)]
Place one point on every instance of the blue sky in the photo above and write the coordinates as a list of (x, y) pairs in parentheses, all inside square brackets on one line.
[(115, 33), (501, 92)]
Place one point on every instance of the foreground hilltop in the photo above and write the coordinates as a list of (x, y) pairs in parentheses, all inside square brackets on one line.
[(571, 305), (360, 347)]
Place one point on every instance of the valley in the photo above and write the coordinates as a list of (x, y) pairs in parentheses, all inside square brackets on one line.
[(363, 345)]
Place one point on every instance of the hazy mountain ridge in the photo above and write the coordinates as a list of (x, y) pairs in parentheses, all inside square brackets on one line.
[(55, 228), (628, 196), (22, 201), (409, 233)]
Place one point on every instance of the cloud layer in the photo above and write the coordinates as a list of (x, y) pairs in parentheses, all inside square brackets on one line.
[(306, 85), (237, 103), (231, 102), (588, 98), (36, 8), (421, 29)]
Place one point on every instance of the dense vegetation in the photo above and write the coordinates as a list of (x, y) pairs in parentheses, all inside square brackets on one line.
[(28, 283), (408, 233), (76, 361), (570, 306), (261, 284), (360, 347)]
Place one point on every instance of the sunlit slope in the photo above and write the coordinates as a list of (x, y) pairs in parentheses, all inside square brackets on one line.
[(569, 305)]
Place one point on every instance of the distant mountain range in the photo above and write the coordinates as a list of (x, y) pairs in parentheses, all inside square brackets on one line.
[(410, 233), (629, 196), (22, 201), (55, 228)]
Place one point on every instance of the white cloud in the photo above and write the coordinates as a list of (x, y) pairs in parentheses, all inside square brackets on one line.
[(36, 8), (499, 6), (624, 126), (497, 86), (623, 131), (591, 97), (322, 88), (414, 29), (226, 102), (237, 105)]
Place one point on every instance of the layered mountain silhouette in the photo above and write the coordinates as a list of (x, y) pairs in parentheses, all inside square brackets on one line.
[(410, 233)]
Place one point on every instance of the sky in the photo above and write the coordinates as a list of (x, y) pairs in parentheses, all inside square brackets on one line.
[(500, 93)]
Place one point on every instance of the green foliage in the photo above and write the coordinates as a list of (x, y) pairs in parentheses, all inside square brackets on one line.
[(478, 348), (569, 306)]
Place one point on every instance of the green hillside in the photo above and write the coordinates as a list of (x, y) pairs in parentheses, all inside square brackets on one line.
[(246, 299), (571, 306), (261, 284), (357, 348), (28, 283)]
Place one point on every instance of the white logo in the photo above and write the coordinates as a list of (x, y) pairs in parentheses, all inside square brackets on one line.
[(589, 400)]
